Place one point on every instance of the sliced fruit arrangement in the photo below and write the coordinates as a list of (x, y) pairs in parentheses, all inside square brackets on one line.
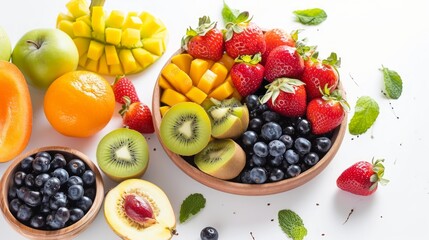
[(113, 43)]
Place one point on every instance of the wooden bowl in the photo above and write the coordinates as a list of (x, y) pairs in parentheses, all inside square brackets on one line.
[(69, 232), (242, 188)]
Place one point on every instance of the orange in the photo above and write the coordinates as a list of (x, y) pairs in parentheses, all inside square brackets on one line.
[(16, 112), (79, 103)]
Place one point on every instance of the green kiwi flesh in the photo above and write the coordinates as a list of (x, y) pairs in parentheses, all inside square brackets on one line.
[(221, 158), (122, 154), (185, 129)]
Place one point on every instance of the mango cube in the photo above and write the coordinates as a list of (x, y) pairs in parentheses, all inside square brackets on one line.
[(82, 45), (163, 110), (223, 91), (197, 69), (128, 62), (163, 83), (177, 78), (143, 57), (115, 19), (81, 29), (131, 38), (154, 45), (183, 61), (95, 50), (67, 27), (78, 8), (103, 68), (170, 97), (150, 25), (196, 95), (113, 35), (221, 72), (111, 55), (97, 19), (133, 22), (207, 81)]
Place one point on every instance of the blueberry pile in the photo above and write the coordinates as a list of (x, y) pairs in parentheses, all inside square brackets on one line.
[(278, 148), (50, 192)]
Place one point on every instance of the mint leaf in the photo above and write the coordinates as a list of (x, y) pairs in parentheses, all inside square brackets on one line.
[(292, 224), (191, 206), (229, 14), (392, 83), (366, 112), (312, 16)]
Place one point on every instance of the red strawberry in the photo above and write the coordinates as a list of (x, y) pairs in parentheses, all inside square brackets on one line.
[(137, 116), (284, 61), (327, 112), (206, 41), (362, 177), (286, 96), (243, 37), (247, 74), (277, 37), (318, 74), (124, 87)]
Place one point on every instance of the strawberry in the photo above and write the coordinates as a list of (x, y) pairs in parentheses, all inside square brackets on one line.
[(286, 96), (206, 41), (318, 74), (327, 112), (284, 61), (362, 178), (243, 37), (277, 37), (137, 116), (124, 87), (247, 74)]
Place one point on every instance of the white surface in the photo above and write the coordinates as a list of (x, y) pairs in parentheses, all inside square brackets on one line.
[(365, 34)]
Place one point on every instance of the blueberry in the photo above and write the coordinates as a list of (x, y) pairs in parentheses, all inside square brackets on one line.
[(276, 161), (209, 233), (302, 145), (27, 163), (74, 180), (84, 203), (11, 193), (62, 214), (37, 221), (270, 116), (58, 200), (322, 144), (33, 198), (90, 192), (20, 192), (258, 175), (44, 208), (24, 213), (291, 156), (255, 124), (76, 167), (261, 108), (252, 101), (29, 180), (293, 170), (75, 192), (287, 140), (41, 164), (258, 161), (271, 131), (276, 148), (276, 174), (76, 214), (19, 178), (44, 154), (260, 149), (303, 127), (311, 158), (61, 174), (58, 161), (40, 179), (289, 130), (245, 177), (53, 222), (51, 186), (249, 138), (88, 177), (14, 205)]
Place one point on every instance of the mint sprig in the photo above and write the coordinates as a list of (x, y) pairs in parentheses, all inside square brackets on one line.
[(366, 112), (191, 206), (392, 83), (311, 16), (292, 224)]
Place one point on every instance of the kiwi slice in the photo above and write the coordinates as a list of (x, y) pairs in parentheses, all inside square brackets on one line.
[(222, 158), (122, 154), (185, 128)]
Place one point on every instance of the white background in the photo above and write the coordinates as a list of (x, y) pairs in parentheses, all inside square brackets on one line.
[(366, 35)]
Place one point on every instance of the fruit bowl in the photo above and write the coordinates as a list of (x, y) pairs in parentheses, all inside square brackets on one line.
[(234, 187), (72, 228)]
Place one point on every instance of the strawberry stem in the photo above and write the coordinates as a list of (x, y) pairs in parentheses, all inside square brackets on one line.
[(125, 106), (377, 177)]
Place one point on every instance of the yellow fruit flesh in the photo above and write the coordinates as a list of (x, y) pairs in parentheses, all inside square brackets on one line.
[(67, 27), (221, 72), (171, 97), (81, 29), (112, 57), (143, 57), (82, 45), (227, 61), (128, 62), (207, 81), (177, 78), (113, 36), (183, 61), (164, 110), (196, 95), (197, 69), (78, 8), (95, 50), (223, 91), (131, 38), (115, 19), (163, 83)]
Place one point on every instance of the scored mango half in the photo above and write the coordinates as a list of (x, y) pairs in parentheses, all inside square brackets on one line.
[(114, 43)]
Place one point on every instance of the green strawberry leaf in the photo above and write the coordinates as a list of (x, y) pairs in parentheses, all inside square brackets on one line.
[(292, 224), (229, 14), (191, 206), (392, 83), (366, 112), (312, 16)]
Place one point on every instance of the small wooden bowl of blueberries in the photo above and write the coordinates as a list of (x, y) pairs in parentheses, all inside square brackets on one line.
[(51, 193)]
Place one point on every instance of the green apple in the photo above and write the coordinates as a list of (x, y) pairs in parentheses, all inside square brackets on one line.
[(6, 48), (45, 54)]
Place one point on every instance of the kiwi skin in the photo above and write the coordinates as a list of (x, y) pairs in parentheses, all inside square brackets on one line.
[(232, 167), (106, 163)]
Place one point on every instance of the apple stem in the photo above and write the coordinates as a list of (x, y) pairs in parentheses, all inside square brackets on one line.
[(34, 43)]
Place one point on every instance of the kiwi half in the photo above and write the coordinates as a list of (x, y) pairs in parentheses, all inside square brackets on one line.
[(222, 158), (185, 129), (122, 154)]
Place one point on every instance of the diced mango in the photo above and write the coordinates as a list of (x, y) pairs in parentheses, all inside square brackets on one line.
[(91, 65), (98, 19), (81, 29), (223, 91), (177, 78), (78, 8), (133, 22), (111, 55), (161, 34), (227, 61), (82, 60), (115, 19), (170, 97), (207, 81), (67, 27), (131, 38), (64, 16), (95, 50), (116, 69), (154, 45), (196, 95), (183, 61), (85, 18), (103, 68), (150, 25), (221, 72), (163, 83), (197, 69), (236, 95), (113, 35), (82, 45), (163, 110), (129, 64), (143, 57)]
